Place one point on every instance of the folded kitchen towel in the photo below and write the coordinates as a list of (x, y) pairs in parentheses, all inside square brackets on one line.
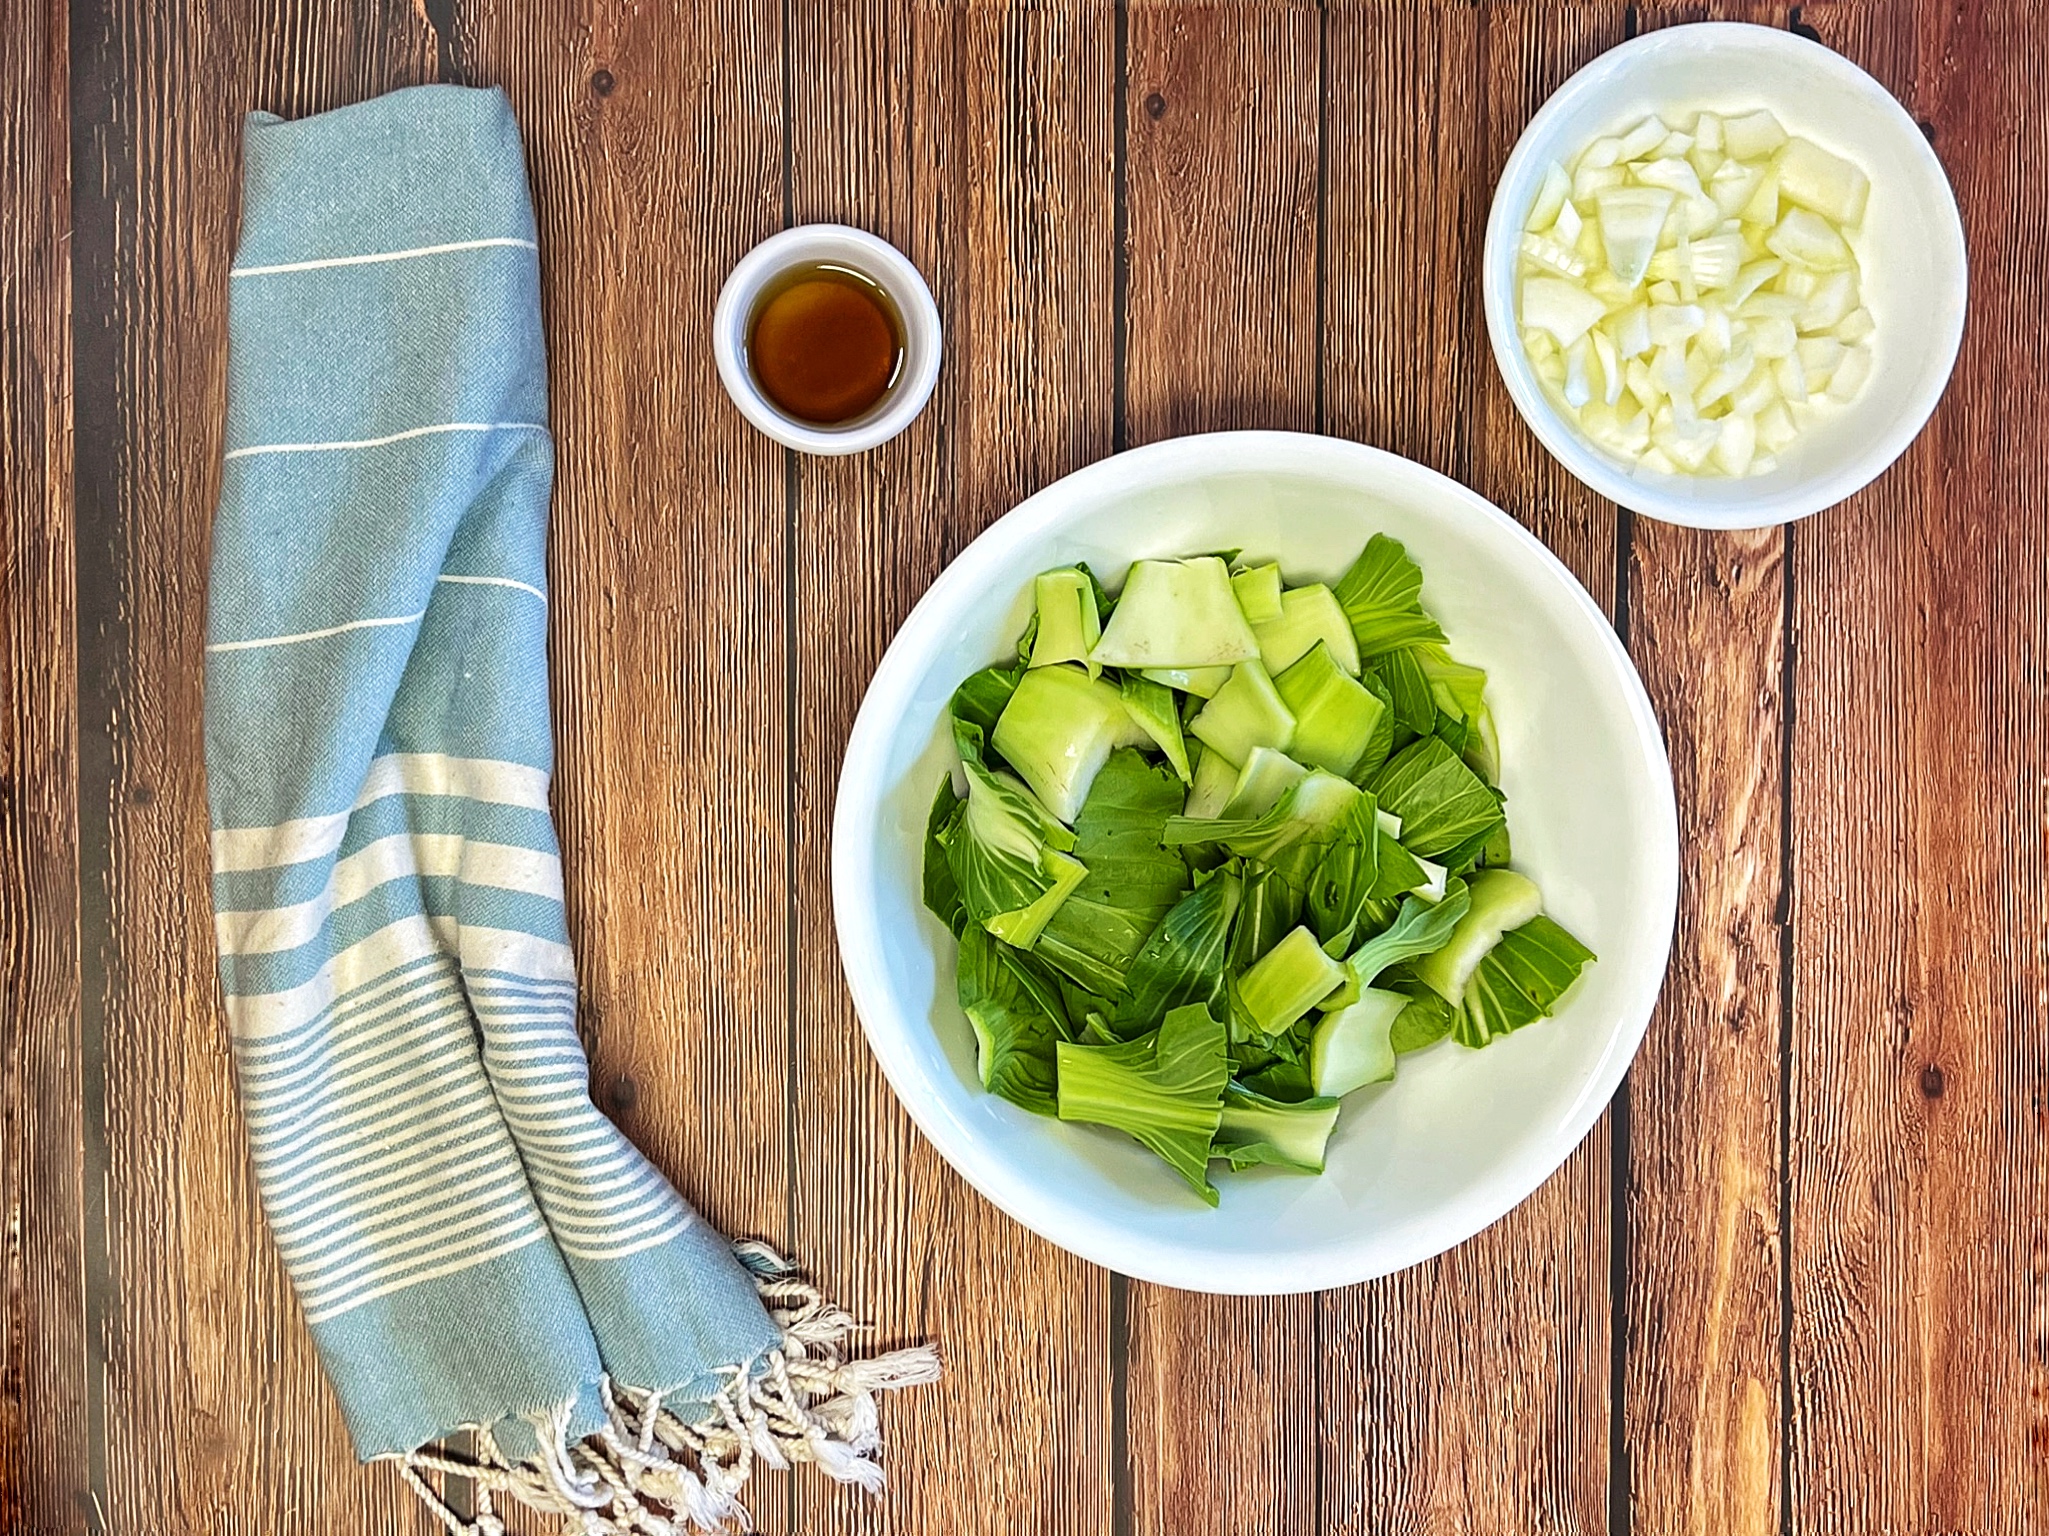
[(474, 1245)]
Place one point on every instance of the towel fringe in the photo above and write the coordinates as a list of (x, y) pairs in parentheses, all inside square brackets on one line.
[(649, 1472)]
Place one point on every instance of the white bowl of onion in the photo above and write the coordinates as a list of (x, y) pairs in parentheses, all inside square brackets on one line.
[(1724, 276)]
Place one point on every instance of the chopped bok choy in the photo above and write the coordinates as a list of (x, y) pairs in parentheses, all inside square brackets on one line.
[(1222, 850)]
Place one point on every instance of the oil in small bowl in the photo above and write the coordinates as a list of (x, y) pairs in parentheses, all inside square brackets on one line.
[(825, 343)]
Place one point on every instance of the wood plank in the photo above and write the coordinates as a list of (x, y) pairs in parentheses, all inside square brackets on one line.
[(978, 139), (42, 1212), (1703, 1356), (1471, 1392), (1703, 1362), (1920, 1063), (667, 567), (211, 1414), (1221, 107)]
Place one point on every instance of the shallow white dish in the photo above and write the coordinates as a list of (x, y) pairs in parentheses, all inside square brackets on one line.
[(1461, 1136), (875, 259), (1911, 248)]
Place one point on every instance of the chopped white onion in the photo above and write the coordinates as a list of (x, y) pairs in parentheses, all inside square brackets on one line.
[(1688, 293)]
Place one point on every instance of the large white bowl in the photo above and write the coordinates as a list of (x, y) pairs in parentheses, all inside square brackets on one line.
[(1461, 1136), (1911, 248)]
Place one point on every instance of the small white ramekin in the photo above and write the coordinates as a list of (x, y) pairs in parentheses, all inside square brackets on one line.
[(874, 258), (1912, 246)]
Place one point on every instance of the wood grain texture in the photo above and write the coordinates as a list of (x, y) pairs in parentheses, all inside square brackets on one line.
[(667, 668), (1703, 1360), (42, 1211), (1221, 107), (667, 561), (979, 141), (1702, 1363), (1469, 1393), (210, 1413), (1920, 1063), (1852, 709)]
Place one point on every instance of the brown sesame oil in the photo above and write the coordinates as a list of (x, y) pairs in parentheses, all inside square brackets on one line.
[(825, 343)]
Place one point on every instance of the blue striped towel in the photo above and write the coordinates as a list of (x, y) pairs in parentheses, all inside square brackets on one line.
[(474, 1245)]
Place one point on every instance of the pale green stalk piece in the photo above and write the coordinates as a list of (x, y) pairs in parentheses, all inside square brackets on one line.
[(1286, 982), (1245, 713), (1308, 615), (1069, 625), (1176, 613)]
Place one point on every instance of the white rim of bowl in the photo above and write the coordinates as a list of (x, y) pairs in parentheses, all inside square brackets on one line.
[(853, 868), (1565, 442), (923, 339)]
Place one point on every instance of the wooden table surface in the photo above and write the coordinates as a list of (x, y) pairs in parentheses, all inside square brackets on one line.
[(1798, 1277)]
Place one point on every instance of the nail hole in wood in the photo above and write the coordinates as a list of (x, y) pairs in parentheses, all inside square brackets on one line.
[(602, 82), (1155, 106), (1931, 1081), (622, 1095)]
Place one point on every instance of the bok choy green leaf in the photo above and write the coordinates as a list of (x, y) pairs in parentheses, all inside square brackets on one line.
[(1208, 945)]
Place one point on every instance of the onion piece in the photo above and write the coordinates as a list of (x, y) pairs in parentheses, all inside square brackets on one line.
[(1733, 185), (1775, 427), (1833, 298), (1631, 220), (1552, 256), (1578, 389), (1828, 184), (1675, 323), (1773, 336), (1642, 139), (1763, 207), (1819, 357), (1758, 391), (1792, 378), (1736, 443), (1566, 230), (1560, 307), (1590, 180), (1806, 238), (1851, 373), (1675, 176), (1632, 330), (1752, 276), (1551, 194), (1610, 365), (1753, 135)]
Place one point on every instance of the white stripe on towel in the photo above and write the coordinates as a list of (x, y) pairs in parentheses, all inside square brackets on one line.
[(380, 442), (385, 1283), (494, 581), (258, 1016), (503, 866), (266, 641), (397, 773), (377, 256)]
